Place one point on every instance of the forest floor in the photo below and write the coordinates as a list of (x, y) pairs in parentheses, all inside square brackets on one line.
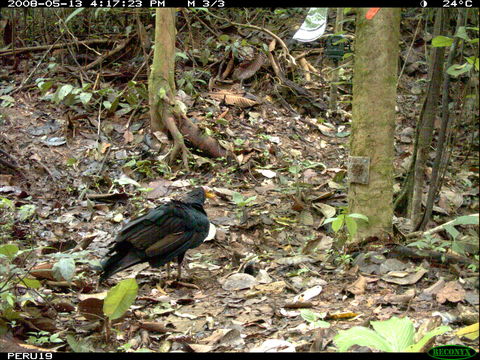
[(272, 279), (276, 241)]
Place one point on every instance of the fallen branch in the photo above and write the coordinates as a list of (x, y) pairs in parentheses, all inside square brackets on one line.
[(418, 234), (57, 46), (110, 53)]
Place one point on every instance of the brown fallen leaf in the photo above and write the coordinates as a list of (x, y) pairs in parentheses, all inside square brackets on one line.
[(91, 309), (128, 136), (154, 326), (298, 305), (43, 271), (452, 292), (63, 306), (358, 287), (199, 348), (5, 180), (239, 281), (44, 324), (11, 345), (403, 277), (404, 298), (215, 337)]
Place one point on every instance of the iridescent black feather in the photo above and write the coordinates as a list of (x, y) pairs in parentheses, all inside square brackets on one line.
[(161, 235)]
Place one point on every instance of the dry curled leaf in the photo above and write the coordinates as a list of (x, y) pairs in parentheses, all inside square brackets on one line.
[(91, 309), (452, 292)]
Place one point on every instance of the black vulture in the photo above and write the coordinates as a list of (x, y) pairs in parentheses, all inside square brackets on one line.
[(161, 235)]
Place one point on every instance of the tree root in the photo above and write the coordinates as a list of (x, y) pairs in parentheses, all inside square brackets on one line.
[(178, 142), (201, 141)]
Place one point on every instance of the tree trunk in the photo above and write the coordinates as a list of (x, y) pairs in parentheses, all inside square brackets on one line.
[(161, 90), (161, 87), (374, 99), (426, 123), (332, 105), (442, 135)]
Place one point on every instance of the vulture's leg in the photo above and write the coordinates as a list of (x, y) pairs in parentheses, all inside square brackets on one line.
[(179, 261), (168, 270)]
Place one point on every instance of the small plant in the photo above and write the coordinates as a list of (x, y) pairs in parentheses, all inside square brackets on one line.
[(313, 319), (189, 79), (344, 259), (120, 298), (118, 301), (393, 335), (239, 142), (241, 201), (7, 218), (441, 245), (11, 276), (297, 272), (43, 337), (474, 267), (149, 168), (346, 222), (125, 347), (129, 99)]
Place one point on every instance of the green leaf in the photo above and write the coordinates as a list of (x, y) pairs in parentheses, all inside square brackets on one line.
[(329, 220), (237, 198), (462, 33), (120, 298), (181, 55), (64, 269), (362, 336), (127, 181), (473, 60), (441, 41), (294, 169), (223, 38), (6, 203), (64, 91), (456, 69), (85, 97), (466, 220), (9, 250), (31, 283), (131, 163), (107, 104), (338, 223), (451, 230), (358, 216), (435, 332), (351, 226), (71, 161), (162, 93), (73, 14), (80, 345), (114, 105), (250, 199), (459, 248), (26, 211), (398, 332), (308, 315), (44, 86)]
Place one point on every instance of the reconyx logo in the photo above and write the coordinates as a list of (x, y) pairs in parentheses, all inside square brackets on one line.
[(448, 352)]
